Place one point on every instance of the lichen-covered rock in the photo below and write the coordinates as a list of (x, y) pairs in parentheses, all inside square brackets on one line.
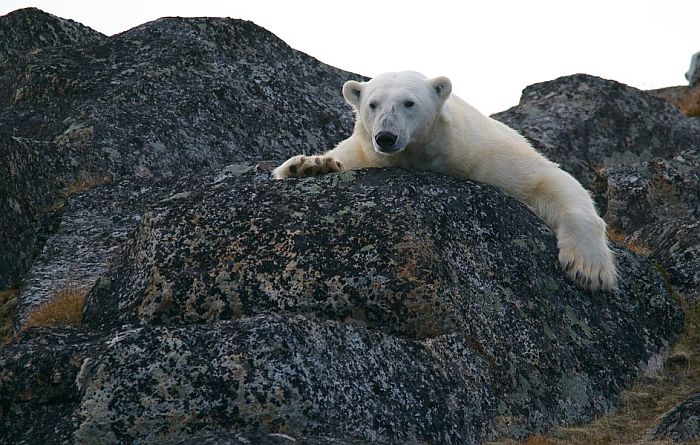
[(403, 260), (31, 176), (30, 30), (282, 373), (166, 98), (585, 123), (92, 228), (675, 244), (682, 423), (640, 194), (38, 392)]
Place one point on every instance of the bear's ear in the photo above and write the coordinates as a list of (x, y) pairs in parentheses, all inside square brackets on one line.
[(442, 86), (352, 91)]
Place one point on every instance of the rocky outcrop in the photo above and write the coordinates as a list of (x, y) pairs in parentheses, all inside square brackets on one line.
[(585, 123), (92, 227), (233, 299), (31, 30), (681, 423), (31, 178), (165, 98), (675, 245), (640, 194), (693, 73)]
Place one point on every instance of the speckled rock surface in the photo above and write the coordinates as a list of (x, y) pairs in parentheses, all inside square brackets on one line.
[(682, 423), (165, 98), (585, 123), (38, 392), (92, 228), (461, 271), (30, 30), (675, 244), (31, 176), (644, 193)]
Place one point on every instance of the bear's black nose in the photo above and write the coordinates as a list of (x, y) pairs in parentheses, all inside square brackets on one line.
[(385, 139)]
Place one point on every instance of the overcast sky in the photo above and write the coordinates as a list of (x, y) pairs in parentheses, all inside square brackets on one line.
[(490, 49)]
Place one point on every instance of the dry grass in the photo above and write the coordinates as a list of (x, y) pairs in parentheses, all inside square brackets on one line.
[(538, 440), (619, 237), (65, 308), (8, 304), (85, 182)]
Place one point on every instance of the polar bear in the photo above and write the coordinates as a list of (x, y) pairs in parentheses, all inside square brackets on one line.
[(406, 120)]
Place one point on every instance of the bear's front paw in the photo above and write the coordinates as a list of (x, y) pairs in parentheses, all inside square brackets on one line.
[(591, 266), (301, 165)]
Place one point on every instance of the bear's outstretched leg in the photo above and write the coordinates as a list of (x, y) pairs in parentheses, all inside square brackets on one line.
[(301, 165), (568, 209)]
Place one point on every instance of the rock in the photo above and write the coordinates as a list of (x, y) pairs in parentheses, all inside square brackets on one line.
[(682, 423), (585, 123), (463, 271), (640, 194), (30, 30), (31, 178), (38, 392), (166, 98), (247, 305), (675, 244), (93, 227), (693, 74)]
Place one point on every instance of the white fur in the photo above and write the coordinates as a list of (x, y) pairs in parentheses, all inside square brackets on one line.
[(442, 133)]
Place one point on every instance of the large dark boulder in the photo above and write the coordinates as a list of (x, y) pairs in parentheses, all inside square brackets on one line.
[(379, 306), (168, 97), (640, 194), (675, 244), (585, 123), (682, 423), (444, 296)]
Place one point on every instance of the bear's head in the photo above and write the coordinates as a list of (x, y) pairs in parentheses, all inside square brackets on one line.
[(397, 109)]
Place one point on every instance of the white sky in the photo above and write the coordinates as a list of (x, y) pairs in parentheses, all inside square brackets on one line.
[(490, 49)]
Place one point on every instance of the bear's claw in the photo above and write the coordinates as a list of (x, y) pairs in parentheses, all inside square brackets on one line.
[(301, 165), (591, 268)]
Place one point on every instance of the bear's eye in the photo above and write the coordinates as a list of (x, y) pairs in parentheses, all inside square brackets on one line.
[(408, 103), (373, 105)]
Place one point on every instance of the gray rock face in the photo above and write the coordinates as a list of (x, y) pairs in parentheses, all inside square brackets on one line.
[(585, 123), (675, 244), (693, 73), (168, 97), (640, 194), (658, 204), (442, 273), (30, 201), (247, 304), (92, 228), (683, 422), (30, 30)]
